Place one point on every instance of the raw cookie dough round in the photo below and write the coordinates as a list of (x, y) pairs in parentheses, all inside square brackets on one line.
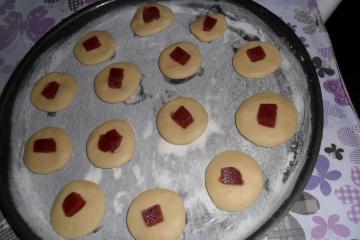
[(44, 163), (174, 70), (173, 211), (130, 82), (97, 55), (216, 32), (234, 197), (64, 96), (173, 132), (143, 29), (286, 120), (262, 68), (121, 155), (87, 218)]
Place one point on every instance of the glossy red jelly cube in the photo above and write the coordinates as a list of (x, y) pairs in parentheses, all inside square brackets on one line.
[(44, 145), (91, 43), (209, 23), (72, 204), (180, 56), (50, 90), (152, 215), (150, 13), (267, 115), (109, 141), (116, 76), (230, 175), (256, 53), (182, 117)]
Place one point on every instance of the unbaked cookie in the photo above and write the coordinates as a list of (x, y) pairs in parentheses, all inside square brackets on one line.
[(180, 60), (210, 27), (111, 144), (78, 209), (117, 82), (234, 180), (256, 59), (94, 48), (182, 120), (47, 150), (54, 92), (151, 18), (156, 214), (267, 119)]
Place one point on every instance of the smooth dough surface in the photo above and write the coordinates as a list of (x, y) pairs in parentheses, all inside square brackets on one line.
[(130, 82), (175, 134), (174, 70), (173, 211), (234, 197), (98, 55), (216, 32), (286, 120), (143, 29), (48, 162), (86, 219), (121, 155), (259, 69), (64, 96)]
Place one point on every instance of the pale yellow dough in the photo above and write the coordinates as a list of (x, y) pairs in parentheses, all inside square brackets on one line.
[(174, 70), (173, 211), (64, 96), (121, 155), (143, 29), (98, 55), (175, 134), (216, 32), (48, 162), (259, 69), (130, 83), (234, 197), (286, 120), (86, 219)]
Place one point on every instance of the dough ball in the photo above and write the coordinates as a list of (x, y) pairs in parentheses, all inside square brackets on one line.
[(102, 53), (129, 83), (172, 209), (258, 69), (286, 123), (174, 133), (122, 154), (48, 161), (85, 220), (174, 70), (54, 92), (231, 197), (216, 32), (143, 29)]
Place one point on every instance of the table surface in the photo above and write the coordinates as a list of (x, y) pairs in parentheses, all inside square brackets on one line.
[(329, 208)]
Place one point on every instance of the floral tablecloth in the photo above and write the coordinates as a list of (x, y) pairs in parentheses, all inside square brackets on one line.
[(329, 208)]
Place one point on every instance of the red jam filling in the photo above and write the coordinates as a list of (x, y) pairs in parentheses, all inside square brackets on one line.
[(150, 13), (256, 53), (109, 141), (72, 204), (116, 76), (230, 175), (44, 145), (180, 56), (267, 115), (182, 117), (209, 23), (50, 90), (152, 215), (91, 43)]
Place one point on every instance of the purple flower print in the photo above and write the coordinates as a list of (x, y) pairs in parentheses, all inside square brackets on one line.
[(350, 137), (335, 87), (322, 176), (330, 227), (331, 110), (311, 4)]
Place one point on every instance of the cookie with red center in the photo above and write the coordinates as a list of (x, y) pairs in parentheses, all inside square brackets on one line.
[(54, 92), (95, 47), (180, 60), (47, 150), (151, 18), (78, 209), (111, 144), (210, 27)]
